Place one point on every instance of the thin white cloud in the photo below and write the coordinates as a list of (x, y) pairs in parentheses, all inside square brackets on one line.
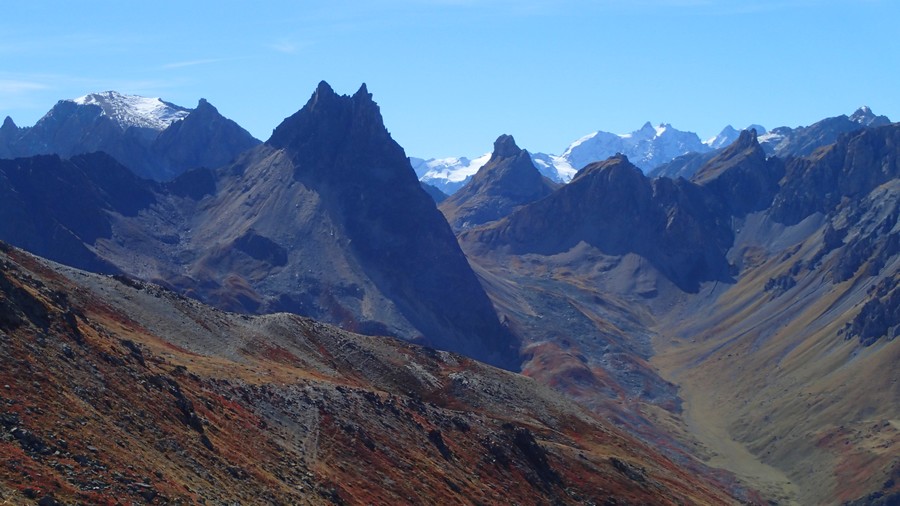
[(288, 45), (191, 63), (15, 86), (285, 46)]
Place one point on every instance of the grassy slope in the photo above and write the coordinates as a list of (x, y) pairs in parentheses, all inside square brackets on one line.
[(774, 390)]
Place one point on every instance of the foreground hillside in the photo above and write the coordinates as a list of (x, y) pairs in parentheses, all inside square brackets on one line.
[(115, 390)]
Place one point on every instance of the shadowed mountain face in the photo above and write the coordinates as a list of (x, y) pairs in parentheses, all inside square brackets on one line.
[(783, 142), (613, 207), (158, 148), (850, 168), (327, 219), (204, 138), (337, 193), (506, 182), (803, 141), (741, 176), (59, 208)]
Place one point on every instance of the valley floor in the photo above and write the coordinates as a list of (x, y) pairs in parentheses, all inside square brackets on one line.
[(705, 422)]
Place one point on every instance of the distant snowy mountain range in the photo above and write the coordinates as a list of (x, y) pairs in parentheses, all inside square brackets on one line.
[(657, 150), (647, 147)]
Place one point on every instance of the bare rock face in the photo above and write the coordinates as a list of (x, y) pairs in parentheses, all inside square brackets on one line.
[(612, 206), (742, 176), (804, 141), (204, 138), (396, 248), (60, 208), (9, 132), (505, 183), (852, 167)]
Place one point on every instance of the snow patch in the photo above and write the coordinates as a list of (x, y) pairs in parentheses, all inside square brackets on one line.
[(135, 111)]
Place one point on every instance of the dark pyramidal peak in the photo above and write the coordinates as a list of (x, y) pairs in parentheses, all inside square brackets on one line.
[(204, 138), (506, 182), (434, 192), (340, 150), (741, 176), (505, 147)]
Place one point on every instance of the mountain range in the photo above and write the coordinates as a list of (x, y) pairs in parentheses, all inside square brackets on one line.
[(657, 150), (155, 139), (731, 328)]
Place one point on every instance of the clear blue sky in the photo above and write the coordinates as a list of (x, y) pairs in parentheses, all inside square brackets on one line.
[(451, 75)]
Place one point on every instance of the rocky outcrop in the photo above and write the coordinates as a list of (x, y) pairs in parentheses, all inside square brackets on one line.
[(612, 206), (9, 133), (434, 192), (803, 141), (742, 176), (850, 168), (505, 183), (204, 138)]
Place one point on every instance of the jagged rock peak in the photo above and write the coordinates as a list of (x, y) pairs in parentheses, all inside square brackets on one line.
[(747, 138), (332, 112), (760, 130), (203, 104), (362, 93), (325, 94), (8, 124), (324, 89), (505, 147), (862, 114), (616, 162)]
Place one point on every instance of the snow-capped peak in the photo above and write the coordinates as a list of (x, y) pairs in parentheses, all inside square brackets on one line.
[(728, 135), (646, 147), (135, 111), (863, 115)]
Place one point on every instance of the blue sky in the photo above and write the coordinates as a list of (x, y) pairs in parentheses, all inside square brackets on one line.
[(452, 75)]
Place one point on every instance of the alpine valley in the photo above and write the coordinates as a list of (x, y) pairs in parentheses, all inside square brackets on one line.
[(191, 316)]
